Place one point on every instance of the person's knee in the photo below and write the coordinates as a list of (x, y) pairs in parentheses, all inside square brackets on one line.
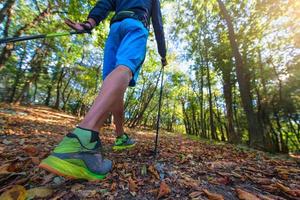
[(125, 69)]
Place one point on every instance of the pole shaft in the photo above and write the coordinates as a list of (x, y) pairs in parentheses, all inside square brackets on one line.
[(159, 110), (32, 37)]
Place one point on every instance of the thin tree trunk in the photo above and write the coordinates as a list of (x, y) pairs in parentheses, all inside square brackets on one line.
[(256, 134), (8, 48), (18, 76), (233, 136), (58, 87), (6, 9), (145, 106), (211, 116)]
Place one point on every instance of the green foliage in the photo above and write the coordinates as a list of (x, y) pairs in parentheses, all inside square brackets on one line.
[(65, 72)]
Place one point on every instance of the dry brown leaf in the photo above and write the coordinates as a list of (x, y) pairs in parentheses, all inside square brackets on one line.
[(282, 172), (77, 187), (8, 168), (132, 185), (196, 194), (263, 197), (4, 169), (48, 178), (40, 192), (269, 188), (189, 182), (17, 192), (262, 181), (1, 149), (243, 195), (31, 150), (164, 190), (113, 187), (35, 160), (153, 171), (221, 164), (213, 196), (287, 190)]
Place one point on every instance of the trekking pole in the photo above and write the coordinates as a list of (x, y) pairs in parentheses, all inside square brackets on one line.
[(159, 110), (32, 37)]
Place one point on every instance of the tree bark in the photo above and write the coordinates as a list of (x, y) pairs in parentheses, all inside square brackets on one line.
[(256, 134), (9, 47), (5, 10), (233, 136)]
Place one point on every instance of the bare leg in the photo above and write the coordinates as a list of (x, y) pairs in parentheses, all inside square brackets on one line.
[(118, 113), (110, 96)]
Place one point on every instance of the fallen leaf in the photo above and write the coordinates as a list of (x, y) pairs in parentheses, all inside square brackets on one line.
[(243, 195), (4, 169), (77, 187), (196, 194), (262, 181), (40, 192), (189, 182), (17, 192), (6, 142), (1, 149), (35, 160), (213, 196), (113, 187), (164, 190), (48, 178), (84, 194), (221, 164), (263, 197), (153, 171), (31, 150), (287, 190), (132, 185), (9, 168), (222, 180)]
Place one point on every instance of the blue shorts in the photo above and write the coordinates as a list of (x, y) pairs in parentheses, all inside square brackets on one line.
[(125, 45)]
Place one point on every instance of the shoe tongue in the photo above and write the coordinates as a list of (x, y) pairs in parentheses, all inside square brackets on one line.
[(125, 136), (86, 136)]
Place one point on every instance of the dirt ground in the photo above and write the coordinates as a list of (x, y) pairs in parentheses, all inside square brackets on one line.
[(184, 168)]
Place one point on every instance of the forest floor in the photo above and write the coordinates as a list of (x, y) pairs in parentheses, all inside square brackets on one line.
[(184, 169)]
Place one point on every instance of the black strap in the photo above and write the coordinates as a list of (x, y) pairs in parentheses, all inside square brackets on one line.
[(137, 14)]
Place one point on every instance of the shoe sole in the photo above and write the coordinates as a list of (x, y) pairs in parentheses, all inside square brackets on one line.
[(118, 148), (68, 170)]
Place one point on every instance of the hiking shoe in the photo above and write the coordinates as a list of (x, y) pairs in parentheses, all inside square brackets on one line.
[(78, 156), (123, 142)]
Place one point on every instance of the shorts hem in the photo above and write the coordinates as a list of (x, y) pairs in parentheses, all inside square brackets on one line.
[(130, 66)]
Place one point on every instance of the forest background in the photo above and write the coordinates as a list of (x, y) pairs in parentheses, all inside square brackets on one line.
[(233, 73)]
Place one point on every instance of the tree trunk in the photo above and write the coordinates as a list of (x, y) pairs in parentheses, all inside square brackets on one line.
[(18, 77), (58, 87), (6, 9), (256, 134), (8, 48), (48, 98), (211, 115), (233, 136), (146, 104)]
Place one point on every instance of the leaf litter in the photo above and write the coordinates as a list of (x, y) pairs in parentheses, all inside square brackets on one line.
[(184, 169)]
